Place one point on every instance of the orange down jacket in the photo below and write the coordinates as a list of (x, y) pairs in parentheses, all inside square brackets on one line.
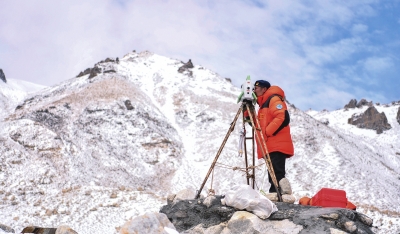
[(271, 118)]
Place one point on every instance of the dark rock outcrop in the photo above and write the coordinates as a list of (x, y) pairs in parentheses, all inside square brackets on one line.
[(351, 104), (185, 68), (398, 115), (128, 105), (188, 216), (371, 119), (363, 102), (94, 72), (2, 76)]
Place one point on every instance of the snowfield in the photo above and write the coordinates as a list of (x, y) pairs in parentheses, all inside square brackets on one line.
[(92, 153)]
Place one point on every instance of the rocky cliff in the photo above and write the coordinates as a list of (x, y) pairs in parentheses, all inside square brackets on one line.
[(371, 119)]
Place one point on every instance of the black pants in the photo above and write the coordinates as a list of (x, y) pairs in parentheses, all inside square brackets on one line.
[(278, 160)]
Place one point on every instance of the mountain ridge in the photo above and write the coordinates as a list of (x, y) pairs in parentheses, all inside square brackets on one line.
[(80, 139)]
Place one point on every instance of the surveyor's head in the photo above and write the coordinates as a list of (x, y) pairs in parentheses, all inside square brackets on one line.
[(260, 87)]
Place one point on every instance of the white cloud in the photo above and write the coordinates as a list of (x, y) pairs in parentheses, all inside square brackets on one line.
[(286, 42), (378, 64), (359, 28)]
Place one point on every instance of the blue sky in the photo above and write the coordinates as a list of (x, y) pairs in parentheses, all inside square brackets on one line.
[(322, 53)]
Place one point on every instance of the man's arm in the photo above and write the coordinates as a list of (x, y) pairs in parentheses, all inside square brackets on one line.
[(277, 108)]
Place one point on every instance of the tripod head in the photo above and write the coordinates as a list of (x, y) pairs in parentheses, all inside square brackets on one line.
[(247, 93)]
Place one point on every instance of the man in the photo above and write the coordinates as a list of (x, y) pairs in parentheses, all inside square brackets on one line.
[(274, 123)]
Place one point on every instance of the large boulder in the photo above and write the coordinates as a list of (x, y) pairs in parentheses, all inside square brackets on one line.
[(2, 76), (371, 119), (200, 216)]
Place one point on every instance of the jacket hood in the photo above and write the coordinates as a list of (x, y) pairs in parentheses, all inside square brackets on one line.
[(272, 90)]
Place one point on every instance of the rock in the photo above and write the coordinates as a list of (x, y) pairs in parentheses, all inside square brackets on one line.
[(149, 223), (324, 121), (94, 72), (2, 76), (351, 104), (245, 222), (208, 201), (128, 105), (285, 187), (371, 119), (365, 219), (398, 116), (41, 230), (197, 213), (170, 198), (185, 68), (85, 72), (272, 196), (363, 102), (290, 218), (185, 195), (6, 228), (63, 229)]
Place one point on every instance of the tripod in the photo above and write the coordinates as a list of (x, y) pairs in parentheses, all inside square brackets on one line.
[(256, 130)]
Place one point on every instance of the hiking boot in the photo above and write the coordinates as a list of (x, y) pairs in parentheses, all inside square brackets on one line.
[(285, 186)]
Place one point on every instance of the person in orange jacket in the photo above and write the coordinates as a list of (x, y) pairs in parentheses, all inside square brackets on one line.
[(274, 123)]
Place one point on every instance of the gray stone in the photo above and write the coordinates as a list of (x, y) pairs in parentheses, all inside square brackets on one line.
[(371, 119), (2, 76), (285, 187), (6, 228), (63, 229), (365, 219), (398, 116), (185, 194), (128, 105), (148, 223), (208, 201)]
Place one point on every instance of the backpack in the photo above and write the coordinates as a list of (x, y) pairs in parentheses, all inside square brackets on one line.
[(286, 121)]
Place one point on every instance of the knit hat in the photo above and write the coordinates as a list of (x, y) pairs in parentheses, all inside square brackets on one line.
[(262, 83)]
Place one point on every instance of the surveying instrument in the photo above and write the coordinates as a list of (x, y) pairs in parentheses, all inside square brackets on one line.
[(247, 98)]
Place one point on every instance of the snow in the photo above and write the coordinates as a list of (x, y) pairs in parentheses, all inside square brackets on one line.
[(74, 154)]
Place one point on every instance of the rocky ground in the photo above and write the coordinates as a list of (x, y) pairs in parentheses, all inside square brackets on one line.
[(210, 216)]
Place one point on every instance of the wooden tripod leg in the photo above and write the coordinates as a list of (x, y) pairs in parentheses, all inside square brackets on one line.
[(231, 128), (263, 146), (245, 153)]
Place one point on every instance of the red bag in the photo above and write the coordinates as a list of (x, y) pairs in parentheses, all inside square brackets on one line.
[(327, 197)]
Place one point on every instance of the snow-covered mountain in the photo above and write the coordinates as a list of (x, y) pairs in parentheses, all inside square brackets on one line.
[(97, 150)]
